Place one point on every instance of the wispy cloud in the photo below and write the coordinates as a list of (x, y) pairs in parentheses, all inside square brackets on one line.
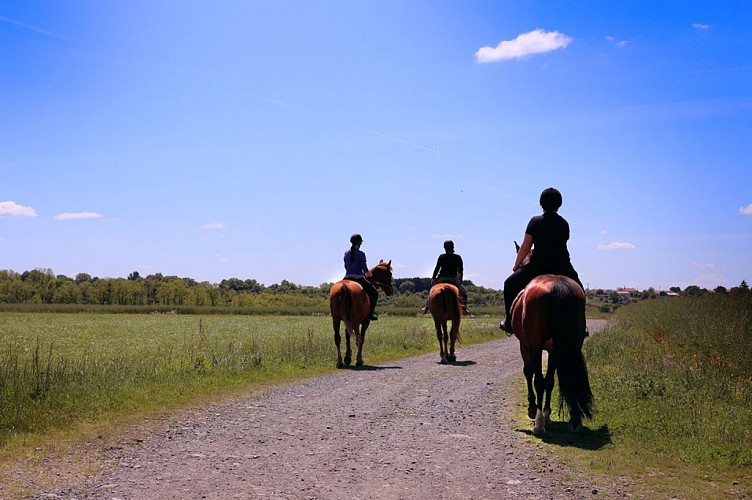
[(13, 209), (214, 225), (36, 29), (700, 26), (77, 215), (616, 245), (533, 42), (746, 210), (620, 43)]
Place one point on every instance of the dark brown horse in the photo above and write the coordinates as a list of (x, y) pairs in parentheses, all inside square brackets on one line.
[(549, 314), (348, 302), (444, 304)]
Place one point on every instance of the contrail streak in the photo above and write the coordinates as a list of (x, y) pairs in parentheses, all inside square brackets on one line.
[(38, 30), (397, 139), (287, 105)]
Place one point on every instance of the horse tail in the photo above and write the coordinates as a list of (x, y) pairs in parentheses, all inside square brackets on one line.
[(347, 302), (452, 305), (567, 334)]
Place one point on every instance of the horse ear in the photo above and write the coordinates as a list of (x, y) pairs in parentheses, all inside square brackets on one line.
[(516, 247), (381, 261), (389, 263)]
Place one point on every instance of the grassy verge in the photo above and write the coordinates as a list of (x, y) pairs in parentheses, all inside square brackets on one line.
[(63, 371), (672, 380)]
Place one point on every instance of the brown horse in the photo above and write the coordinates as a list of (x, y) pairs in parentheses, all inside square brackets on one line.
[(348, 302), (444, 303), (550, 314)]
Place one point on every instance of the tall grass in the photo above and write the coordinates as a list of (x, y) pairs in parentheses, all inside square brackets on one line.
[(675, 375), (60, 369)]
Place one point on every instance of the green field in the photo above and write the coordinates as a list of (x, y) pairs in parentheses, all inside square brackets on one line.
[(58, 370), (672, 379)]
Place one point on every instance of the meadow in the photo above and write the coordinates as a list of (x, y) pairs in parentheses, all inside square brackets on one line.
[(60, 369), (672, 379)]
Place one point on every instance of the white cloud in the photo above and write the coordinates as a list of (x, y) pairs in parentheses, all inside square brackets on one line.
[(77, 215), (13, 209), (746, 210), (701, 26), (214, 225), (616, 245), (621, 43), (526, 44), (603, 232)]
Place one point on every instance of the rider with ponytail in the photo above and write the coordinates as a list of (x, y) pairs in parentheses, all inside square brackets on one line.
[(356, 269)]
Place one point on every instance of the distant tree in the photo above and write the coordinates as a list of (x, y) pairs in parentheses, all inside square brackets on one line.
[(675, 289), (407, 286), (720, 289), (83, 278), (694, 291), (134, 276), (744, 286)]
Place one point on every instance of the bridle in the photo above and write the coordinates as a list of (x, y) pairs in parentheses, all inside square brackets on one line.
[(380, 284)]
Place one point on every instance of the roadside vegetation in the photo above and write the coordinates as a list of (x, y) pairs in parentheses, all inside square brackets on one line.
[(672, 380), (61, 370)]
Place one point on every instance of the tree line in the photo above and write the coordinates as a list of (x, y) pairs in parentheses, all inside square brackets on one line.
[(43, 286)]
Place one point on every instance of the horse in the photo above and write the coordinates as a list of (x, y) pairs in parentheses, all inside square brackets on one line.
[(348, 302), (549, 313), (444, 304)]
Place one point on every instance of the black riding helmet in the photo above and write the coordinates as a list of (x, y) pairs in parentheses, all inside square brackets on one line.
[(449, 246), (356, 239), (550, 200)]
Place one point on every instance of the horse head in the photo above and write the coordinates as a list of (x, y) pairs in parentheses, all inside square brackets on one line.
[(381, 277)]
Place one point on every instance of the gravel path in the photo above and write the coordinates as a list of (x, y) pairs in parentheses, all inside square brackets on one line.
[(414, 429)]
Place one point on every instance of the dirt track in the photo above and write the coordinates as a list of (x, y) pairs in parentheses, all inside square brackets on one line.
[(412, 429)]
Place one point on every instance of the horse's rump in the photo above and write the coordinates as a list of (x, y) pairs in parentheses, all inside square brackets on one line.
[(444, 304), (348, 301)]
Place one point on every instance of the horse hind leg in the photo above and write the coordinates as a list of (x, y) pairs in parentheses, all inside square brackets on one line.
[(531, 407), (452, 339), (442, 353), (348, 348)]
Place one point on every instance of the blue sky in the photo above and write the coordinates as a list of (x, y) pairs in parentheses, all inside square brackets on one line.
[(249, 139)]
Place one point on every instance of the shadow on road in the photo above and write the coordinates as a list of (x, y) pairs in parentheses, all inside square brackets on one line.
[(459, 363), (369, 368), (586, 439)]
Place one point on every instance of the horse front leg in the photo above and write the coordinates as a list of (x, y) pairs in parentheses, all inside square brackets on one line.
[(360, 338), (337, 340), (550, 380)]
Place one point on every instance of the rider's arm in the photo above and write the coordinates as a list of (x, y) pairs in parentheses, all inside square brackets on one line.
[(523, 252)]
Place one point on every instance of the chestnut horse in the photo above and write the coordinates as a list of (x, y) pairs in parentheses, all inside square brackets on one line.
[(550, 314), (348, 302), (444, 304)]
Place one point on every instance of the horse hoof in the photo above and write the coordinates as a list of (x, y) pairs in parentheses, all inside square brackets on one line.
[(539, 431), (531, 411), (340, 364), (575, 425), (359, 362), (348, 360), (444, 361), (451, 358)]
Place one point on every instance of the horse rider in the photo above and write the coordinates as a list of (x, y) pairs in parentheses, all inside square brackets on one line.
[(449, 270), (548, 233), (356, 269)]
